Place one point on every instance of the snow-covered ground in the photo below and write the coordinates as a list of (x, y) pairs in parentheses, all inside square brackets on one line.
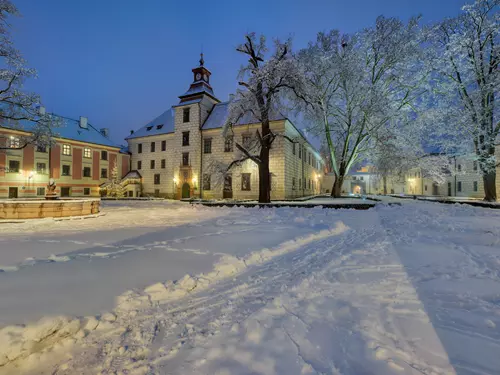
[(413, 289)]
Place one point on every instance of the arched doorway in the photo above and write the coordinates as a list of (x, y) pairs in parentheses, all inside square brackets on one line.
[(356, 189), (186, 190)]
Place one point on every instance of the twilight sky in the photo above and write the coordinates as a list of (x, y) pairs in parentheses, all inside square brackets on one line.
[(121, 63)]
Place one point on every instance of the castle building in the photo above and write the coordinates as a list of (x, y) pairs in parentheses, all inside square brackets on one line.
[(176, 153), (79, 161)]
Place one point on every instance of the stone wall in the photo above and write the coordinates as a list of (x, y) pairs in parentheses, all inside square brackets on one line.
[(36, 209)]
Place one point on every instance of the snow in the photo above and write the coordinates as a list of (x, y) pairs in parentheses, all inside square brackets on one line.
[(410, 289)]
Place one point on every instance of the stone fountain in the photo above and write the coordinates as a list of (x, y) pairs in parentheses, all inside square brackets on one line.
[(51, 191)]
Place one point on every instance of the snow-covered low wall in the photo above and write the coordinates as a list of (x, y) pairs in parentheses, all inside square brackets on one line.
[(36, 209)]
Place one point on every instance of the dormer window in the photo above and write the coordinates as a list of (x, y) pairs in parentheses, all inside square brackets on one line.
[(149, 128), (158, 127)]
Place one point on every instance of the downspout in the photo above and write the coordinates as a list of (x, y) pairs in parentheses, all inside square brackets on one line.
[(422, 181), (455, 158)]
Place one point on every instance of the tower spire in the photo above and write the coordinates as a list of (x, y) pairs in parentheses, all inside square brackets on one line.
[(202, 61)]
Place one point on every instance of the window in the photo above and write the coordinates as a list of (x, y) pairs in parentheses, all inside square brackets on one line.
[(246, 139), (158, 127), (41, 168), (40, 191), (157, 179), (149, 128), (185, 138), (41, 148), (305, 183), (139, 164), (153, 146), (14, 142), (87, 153), (270, 181), (459, 186), (293, 148), (152, 164), (163, 163), (66, 150), (293, 183), (139, 148), (104, 173), (104, 155), (300, 181), (228, 144), (164, 145), (65, 191), (361, 178), (245, 181), (425, 187), (66, 170), (474, 165), (86, 191), (459, 167), (185, 114), (157, 193), (206, 182), (309, 155), (86, 171), (309, 184), (185, 158), (207, 145), (300, 153), (475, 185), (14, 166), (354, 178)]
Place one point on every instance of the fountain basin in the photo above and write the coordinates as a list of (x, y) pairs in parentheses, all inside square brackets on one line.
[(41, 208)]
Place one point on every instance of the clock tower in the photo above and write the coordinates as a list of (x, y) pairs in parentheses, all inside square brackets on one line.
[(201, 84)]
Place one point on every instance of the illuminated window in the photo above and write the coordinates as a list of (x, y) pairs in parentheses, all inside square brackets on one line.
[(87, 153), (245, 181), (14, 142), (66, 150)]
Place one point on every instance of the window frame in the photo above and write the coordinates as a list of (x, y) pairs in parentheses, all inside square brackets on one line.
[(163, 163), (139, 164), (40, 189), (243, 177), (104, 152), (87, 151), (164, 145), (66, 149), (86, 191), (207, 145), (104, 175), (89, 174), (18, 166), (152, 147), (459, 186), (69, 170), (229, 143), (156, 179), (186, 115), (41, 170), (475, 186), (152, 164), (185, 138), (139, 148), (207, 182), (185, 159), (41, 148)]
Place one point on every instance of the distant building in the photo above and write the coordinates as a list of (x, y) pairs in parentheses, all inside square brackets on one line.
[(81, 159), (175, 153)]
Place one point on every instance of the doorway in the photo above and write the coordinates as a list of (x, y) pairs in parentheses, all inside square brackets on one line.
[(449, 189), (65, 191), (435, 189), (227, 193), (186, 190), (13, 192)]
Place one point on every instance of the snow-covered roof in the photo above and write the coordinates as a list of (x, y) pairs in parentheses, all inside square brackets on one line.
[(68, 128), (219, 114), (132, 174), (163, 124), (198, 89)]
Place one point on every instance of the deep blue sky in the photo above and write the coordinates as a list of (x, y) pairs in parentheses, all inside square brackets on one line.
[(123, 62)]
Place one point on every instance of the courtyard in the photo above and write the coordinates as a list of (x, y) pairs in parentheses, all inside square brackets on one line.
[(164, 287)]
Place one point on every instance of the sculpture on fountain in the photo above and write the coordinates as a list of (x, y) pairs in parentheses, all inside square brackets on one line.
[(51, 190)]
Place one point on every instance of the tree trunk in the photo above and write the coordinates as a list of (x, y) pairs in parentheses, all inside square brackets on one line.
[(489, 181), (264, 188), (337, 187), (385, 184)]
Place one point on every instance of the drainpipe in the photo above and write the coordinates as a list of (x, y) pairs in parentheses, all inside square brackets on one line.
[(455, 159), (200, 176)]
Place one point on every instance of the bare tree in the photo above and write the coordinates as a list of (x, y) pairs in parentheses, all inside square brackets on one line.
[(357, 85), (262, 83), (19, 109), (465, 59)]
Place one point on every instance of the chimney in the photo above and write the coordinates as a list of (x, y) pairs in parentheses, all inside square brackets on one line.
[(104, 132), (131, 132), (41, 111), (83, 122), (231, 97)]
